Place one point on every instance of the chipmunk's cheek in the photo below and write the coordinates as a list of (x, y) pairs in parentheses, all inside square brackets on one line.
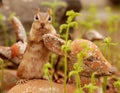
[(36, 25), (47, 26)]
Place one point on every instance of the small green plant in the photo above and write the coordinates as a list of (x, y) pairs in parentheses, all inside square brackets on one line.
[(107, 43), (79, 90), (76, 72), (65, 49), (69, 23), (78, 67), (92, 87), (112, 21), (53, 59), (104, 84), (12, 40), (53, 5), (2, 78), (90, 21), (11, 16), (47, 73), (4, 29), (117, 85)]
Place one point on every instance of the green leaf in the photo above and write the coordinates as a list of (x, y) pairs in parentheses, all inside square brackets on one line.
[(117, 84), (47, 65), (11, 16), (66, 47), (114, 44), (70, 18), (71, 15), (79, 90), (1, 61), (77, 67), (70, 12), (68, 43), (73, 24), (93, 78), (1, 17), (72, 73), (63, 47), (107, 40), (91, 87), (62, 27)]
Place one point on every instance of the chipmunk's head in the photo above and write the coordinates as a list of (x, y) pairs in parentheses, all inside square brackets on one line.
[(42, 20)]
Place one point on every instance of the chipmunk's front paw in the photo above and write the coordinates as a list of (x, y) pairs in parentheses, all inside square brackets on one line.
[(22, 81)]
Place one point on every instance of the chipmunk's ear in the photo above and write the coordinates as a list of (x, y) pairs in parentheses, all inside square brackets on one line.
[(36, 10), (49, 11)]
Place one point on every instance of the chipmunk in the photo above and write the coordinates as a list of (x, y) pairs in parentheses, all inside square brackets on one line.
[(36, 54)]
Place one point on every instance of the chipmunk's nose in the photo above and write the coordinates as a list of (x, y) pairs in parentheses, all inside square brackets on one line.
[(42, 25)]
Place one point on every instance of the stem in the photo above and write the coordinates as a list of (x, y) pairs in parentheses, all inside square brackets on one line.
[(65, 60), (105, 77), (2, 78), (50, 75), (67, 34), (5, 33), (65, 72), (78, 81), (51, 83), (104, 84), (109, 52), (52, 61), (119, 90)]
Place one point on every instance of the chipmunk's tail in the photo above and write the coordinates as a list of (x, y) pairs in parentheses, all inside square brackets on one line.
[(14, 53)]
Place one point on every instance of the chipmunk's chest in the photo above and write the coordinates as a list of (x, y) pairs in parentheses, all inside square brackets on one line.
[(37, 49), (35, 57)]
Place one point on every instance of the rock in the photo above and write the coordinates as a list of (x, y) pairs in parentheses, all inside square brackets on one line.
[(93, 35), (10, 79), (40, 86)]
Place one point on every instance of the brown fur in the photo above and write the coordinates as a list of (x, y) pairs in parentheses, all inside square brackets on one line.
[(36, 54)]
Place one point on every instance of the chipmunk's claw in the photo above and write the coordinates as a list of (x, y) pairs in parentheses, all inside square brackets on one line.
[(53, 43), (22, 81)]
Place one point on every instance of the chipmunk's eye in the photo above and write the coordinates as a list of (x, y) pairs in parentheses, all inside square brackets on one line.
[(36, 17), (50, 18)]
